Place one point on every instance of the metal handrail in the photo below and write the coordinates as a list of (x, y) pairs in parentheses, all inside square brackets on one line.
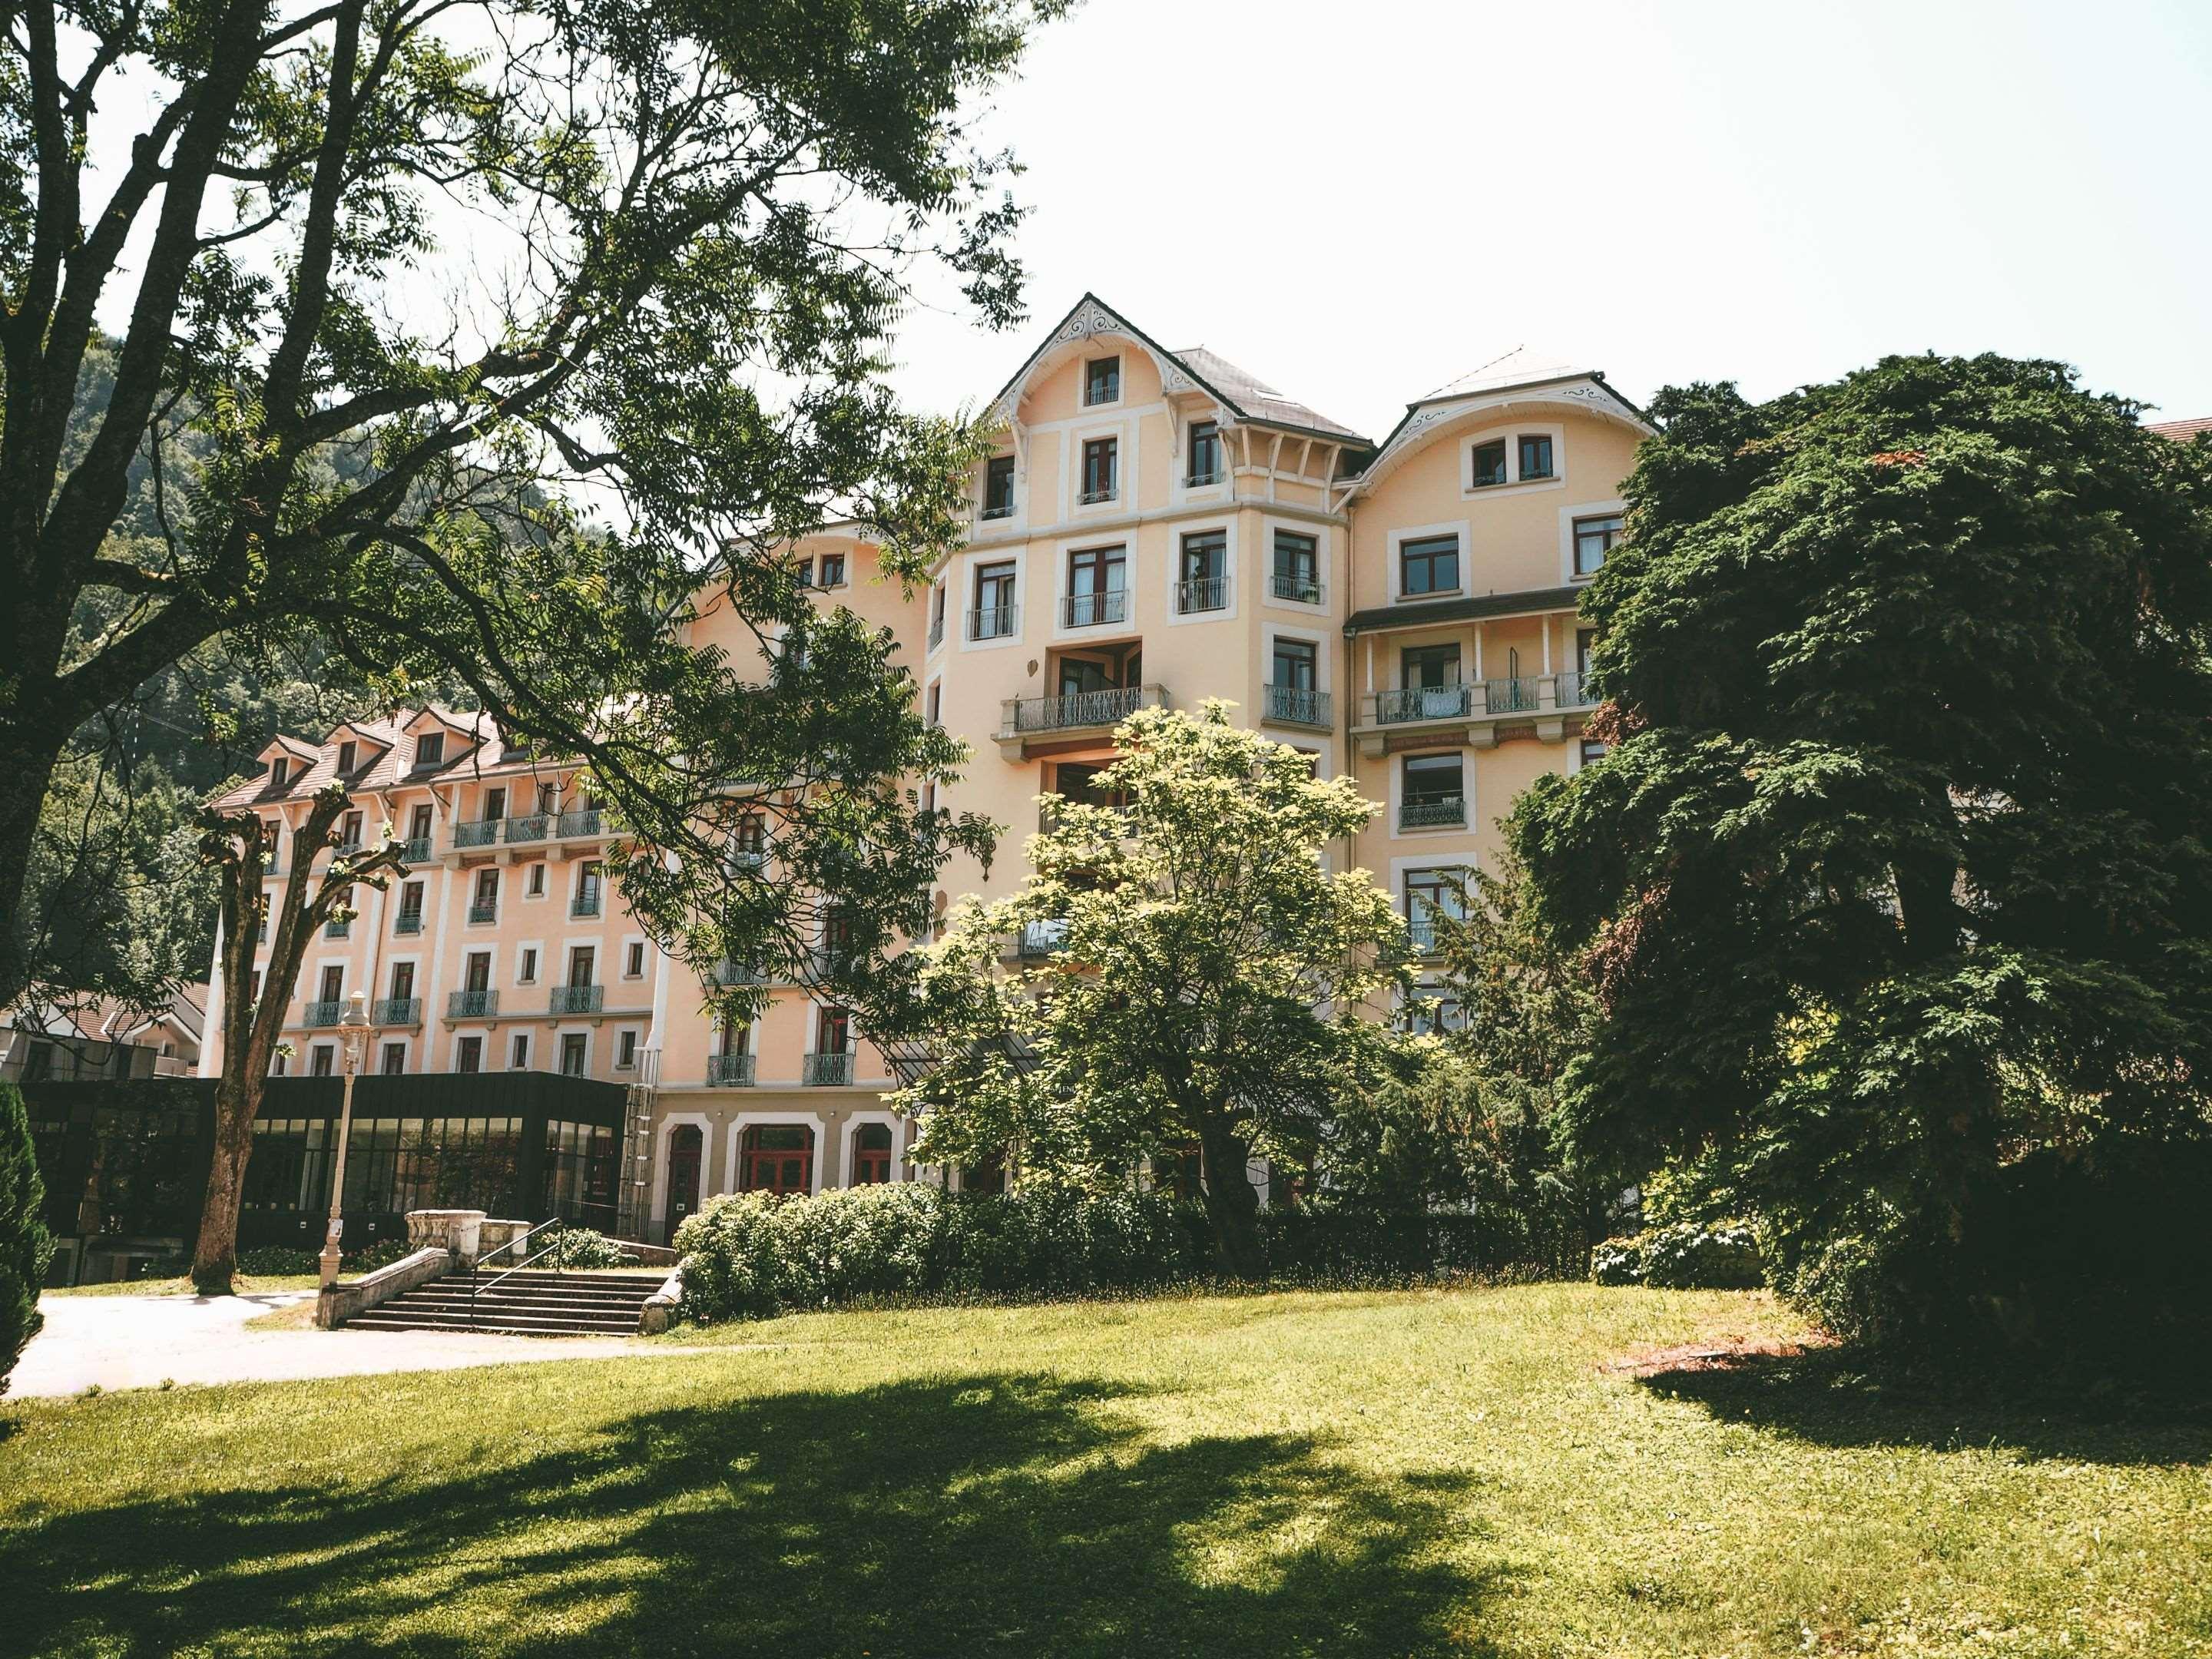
[(475, 1267)]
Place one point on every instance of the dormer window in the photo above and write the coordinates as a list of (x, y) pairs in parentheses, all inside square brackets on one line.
[(1535, 456), (1489, 466), (349, 756), (429, 749), (279, 769), (1101, 380)]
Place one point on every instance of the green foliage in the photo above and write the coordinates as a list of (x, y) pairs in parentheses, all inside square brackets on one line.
[(1205, 980), (1683, 1255), (25, 1246), (581, 1247), (751, 1255), (1897, 881)]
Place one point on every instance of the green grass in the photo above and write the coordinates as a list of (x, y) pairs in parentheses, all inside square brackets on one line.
[(244, 1285), (1344, 1474)]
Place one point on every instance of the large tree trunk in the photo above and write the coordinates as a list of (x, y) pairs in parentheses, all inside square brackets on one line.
[(27, 757), (215, 1257), (1232, 1204)]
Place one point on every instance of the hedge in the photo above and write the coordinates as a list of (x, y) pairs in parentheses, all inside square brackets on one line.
[(749, 1256), (1684, 1255)]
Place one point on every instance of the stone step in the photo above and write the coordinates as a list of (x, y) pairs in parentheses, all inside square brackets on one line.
[(394, 1315), (647, 1281), (527, 1293)]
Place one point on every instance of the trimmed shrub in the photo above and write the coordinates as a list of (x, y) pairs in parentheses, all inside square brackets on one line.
[(270, 1260), (25, 1248), (581, 1247), (1683, 1255)]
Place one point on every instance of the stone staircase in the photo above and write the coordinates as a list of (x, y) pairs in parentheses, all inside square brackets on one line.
[(527, 1301)]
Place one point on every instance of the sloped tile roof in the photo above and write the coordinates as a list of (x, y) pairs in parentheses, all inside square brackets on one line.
[(2182, 430), (1253, 398)]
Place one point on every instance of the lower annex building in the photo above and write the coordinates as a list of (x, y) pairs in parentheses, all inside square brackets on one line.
[(1154, 526)]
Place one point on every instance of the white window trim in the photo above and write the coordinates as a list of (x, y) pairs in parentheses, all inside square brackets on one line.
[(520, 946), (485, 1052), (1123, 430), (969, 564), (943, 584), (1513, 484), (637, 1046), (559, 1038), (1121, 356), (1317, 637), (375, 1061), (1567, 517), (545, 891), (1180, 494), (506, 1054), (741, 1121), (1063, 552), (1324, 563), (1396, 570), (848, 1150), (1231, 557), (644, 957)]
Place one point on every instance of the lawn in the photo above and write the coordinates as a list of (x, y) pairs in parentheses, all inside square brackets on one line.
[(1385, 1473), (243, 1284)]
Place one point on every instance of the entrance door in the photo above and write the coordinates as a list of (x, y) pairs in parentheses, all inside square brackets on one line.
[(683, 1149)]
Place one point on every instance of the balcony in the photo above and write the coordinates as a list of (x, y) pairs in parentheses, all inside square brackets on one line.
[(407, 922), (1039, 939), (529, 827), (727, 972), (478, 832), (1540, 702), (997, 510), (1421, 935), (1094, 497), (818, 1070), (336, 929), (481, 912), (729, 1070), (585, 822), (1299, 590), (416, 850), (1199, 480), (1292, 705), (1095, 609), (1433, 813), (396, 1010), (583, 907), (324, 1012), (998, 622), (1202, 593), (472, 1005), (1025, 722), (576, 1000)]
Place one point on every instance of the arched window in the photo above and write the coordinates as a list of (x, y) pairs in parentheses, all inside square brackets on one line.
[(777, 1157), (871, 1154)]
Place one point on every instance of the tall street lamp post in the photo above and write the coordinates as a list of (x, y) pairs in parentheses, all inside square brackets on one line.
[(353, 1034)]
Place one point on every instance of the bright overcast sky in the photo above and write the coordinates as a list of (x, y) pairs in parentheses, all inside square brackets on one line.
[(1360, 203)]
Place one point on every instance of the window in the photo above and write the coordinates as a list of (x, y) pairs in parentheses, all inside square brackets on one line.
[(537, 885), (936, 615), (1436, 1012), (1536, 455), (1205, 453), (999, 487), (350, 831), (278, 768), (470, 1055), (583, 960), (1101, 469), (1585, 639), (1204, 574), (418, 824), (1594, 539), (1428, 564), (403, 981), (871, 1154), (836, 1031), (995, 616), (323, 1062), (1433, 797), (1101, 380), (519, 1055), (484, 906), (430, 748), (333, 984), (1298, 568), (587, 889), (625, 1051), (1077, 781), (802, 574), (494, 804), (749, 838), (574, 1046), (1428, 894), (833, 570), (1421, 666), (1592, 750), (1296, 664), (527, 972), (479, 976), (410, 908), (1489, 464), (395, 1058), (254, 986), (1097, 593), (348, 755), (634, 960), (776, 1157), (279, 1063)]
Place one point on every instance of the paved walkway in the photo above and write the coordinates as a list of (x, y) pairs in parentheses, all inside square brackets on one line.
[(138, 1341)]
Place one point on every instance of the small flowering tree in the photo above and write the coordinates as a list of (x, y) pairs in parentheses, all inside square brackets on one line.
[(1181, 968)]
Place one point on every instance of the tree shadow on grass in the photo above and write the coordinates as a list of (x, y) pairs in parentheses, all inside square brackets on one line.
[(983, 1515), (1838, 1396)]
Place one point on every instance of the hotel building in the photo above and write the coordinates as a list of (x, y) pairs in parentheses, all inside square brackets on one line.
[(1154, 527)]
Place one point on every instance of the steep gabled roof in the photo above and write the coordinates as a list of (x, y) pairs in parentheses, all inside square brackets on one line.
[(2182, 430), (1243, 393)]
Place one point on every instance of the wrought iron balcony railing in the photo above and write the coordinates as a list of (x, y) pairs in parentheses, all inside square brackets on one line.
[(1202, 593), (479, 912), (337, 928), (479, 832), (529, 827), (1424, 703), (325, 1012), (1297, 706), (586, 821), (996, 621), (727, 972), (936, 632), (583, 906), (398, 1011), (577, 999), (1092, 497), (817, 1069), (1000, 510), (1433, 813), (1080, 708), (1095, 609), (472, 1005), (1197, 478), (1421, 934), (1042, 938), (407, 921), (729, 1070), (416, 850)]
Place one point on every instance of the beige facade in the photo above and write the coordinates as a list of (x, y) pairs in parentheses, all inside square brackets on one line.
[(1155, 527)]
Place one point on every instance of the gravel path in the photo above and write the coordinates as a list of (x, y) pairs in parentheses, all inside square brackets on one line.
[(139, 1342)]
